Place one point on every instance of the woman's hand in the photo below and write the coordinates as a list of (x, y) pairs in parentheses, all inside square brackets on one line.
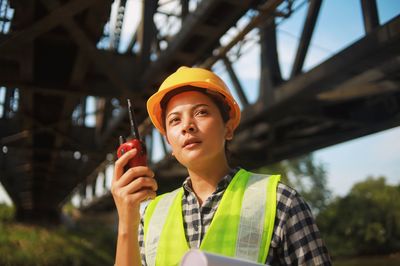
[(129, 189)]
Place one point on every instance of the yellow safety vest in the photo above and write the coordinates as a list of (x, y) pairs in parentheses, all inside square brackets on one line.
[(242, 225)]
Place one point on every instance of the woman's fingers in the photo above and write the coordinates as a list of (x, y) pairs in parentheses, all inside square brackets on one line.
[(140, 184), (134, 199), (133, 173), (134, 181), (143, 195), (121, 162)]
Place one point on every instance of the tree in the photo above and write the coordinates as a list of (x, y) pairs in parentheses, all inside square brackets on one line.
[(305, 175), (366, 221)]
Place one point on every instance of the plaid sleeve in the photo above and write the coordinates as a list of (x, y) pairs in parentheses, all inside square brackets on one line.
[(141, 241), (296, 239)]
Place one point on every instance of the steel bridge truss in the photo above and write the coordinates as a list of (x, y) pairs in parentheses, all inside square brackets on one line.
[(54, 54)]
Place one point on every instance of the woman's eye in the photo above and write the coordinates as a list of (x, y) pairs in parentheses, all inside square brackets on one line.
[(173, 120), (202, 112)]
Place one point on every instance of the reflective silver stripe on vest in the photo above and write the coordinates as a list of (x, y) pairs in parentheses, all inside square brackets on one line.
[(156, 224), (252, 218)]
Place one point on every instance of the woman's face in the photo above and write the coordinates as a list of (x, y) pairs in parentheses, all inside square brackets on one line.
[(195, 129)]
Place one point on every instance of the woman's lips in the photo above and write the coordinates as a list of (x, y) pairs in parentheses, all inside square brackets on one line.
[(191, 143)]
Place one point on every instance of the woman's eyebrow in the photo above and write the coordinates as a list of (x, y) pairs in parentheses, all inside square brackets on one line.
[(173, 113), (199, 105)]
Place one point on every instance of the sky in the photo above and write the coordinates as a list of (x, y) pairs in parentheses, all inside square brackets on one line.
[(339, 24)]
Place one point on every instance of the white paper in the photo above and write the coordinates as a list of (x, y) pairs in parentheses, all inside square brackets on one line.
[(197, 257)]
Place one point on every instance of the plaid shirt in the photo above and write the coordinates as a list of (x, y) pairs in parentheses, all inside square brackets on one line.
[(296, 239)]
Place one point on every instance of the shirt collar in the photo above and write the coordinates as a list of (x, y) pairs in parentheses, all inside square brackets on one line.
[(222, 185)]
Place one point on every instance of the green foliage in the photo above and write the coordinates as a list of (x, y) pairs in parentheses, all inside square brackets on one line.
[(69, 208), (6, 213), (309, 178), (305, 175), (390, 260), (22, 244), (366, 221)]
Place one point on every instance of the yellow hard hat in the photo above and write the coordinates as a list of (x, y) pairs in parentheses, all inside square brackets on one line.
[(196, 77)]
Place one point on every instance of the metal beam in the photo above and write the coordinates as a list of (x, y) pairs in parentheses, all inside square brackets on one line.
[(115, 34), (368, 53), (189, 46), (184, 9), (236, 83), (147, 32), (112, 126), (266, 14), (270, 76), (56, 132), (21, 150), (104, 113), (61, 126), (3, 16), (7, 102), (308, 29), (27, 63), (69, 91), (47, 23), (370, 15), (80, 68), (83, 41), (15, 137)]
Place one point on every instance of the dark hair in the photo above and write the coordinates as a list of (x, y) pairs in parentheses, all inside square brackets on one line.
[(216, 97)]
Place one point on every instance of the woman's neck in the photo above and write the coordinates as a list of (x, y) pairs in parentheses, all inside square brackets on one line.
[(206, 178)]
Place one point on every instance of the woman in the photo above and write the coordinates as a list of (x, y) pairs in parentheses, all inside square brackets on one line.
[(219, 209)]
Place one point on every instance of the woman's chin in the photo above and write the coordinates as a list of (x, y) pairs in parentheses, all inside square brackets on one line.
[(192, 160)]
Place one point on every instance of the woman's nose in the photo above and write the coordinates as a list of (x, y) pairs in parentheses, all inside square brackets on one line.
[(189, 127)]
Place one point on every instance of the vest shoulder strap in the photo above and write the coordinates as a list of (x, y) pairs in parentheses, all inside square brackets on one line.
[(257, 217), (156, 215)]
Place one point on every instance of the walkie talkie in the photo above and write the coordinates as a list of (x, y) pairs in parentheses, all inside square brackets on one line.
[(133, 141)]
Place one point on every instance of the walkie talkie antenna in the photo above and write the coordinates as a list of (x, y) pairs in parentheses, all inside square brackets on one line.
[(132, 120), (121, 140)]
